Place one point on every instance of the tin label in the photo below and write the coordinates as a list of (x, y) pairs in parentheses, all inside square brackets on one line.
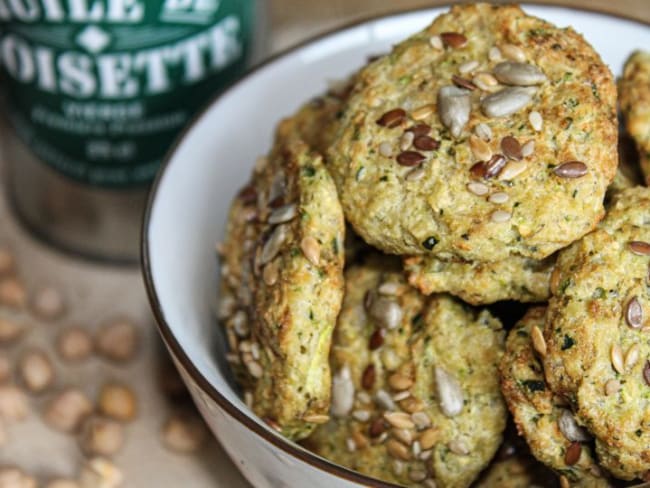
[(100, 88)]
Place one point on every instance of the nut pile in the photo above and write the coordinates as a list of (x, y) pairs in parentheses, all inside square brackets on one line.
[(31, 384)]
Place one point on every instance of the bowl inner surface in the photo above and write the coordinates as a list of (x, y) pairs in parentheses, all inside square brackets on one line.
[(213, 160)]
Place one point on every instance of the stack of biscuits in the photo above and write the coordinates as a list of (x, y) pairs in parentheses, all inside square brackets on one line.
[(475, 163)]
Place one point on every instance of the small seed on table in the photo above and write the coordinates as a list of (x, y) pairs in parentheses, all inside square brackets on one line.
[(48, 304), (10, 331), (118, 401), (74, 344), (66, 410), (36, 371), (118, 341), (7, 262), (101, 436), (13, 477), (12, 293), (184, 433), (13, 403), (100, 473)]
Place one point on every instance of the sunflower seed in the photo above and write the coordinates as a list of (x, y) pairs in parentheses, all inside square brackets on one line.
[(392, 118), (485, 81), (480, 148), (342, 393), (416, 448), (458, 447), (450, 394), (500, 216), (519, 74), (612, 387), (385, 149), (646, 373), (573, 452), (571, 169), (639, 247), (632, 356), (410, 158), (423, 112), (271, 273), (282, 214), (616, 356), (387, 312), (512, 170), (421, 420), (398, 450), (254, 368), (425, 143), (528, 148), (463, 83), (494, 166), (399, 382), (453, 39), (507, 101), (499, 198), (406, 140), (483, 131), (424, 455), (402, 395), (511, 148), (311, 249), (468, 67), (535, 120), (417, 475), (514, 53), (399, 420), (361, 415), (634, 313), (436, 42), (384, 400), (368, 377), (273, 244), (478, 188), (454, 107), (570, 428), (539, 344)]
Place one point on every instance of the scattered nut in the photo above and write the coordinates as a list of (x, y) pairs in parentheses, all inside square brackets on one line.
[(184, 433), (13, 403), (117, 341), (48, 304), (66, 411), (100, 473), (10, 331), (12, 293), (36, 371), (101, 436), (74, 344), (118, 402), (12, 477)]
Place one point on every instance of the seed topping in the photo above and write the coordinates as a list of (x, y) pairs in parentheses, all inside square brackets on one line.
[(634, 313), (494, 166), (500, 216), (571, 169), (616, 356), (399, 420), (514, 53), (507, 101), (612, 387), (392, 118), (311, 249), (535, 120), (463, 83), (450, 394), (478, 188), (399, 382), (410, 158), (640, 247), (342, 393), (480, 148), (385, 149), (422, 112), (273, 244), (511, 147), (376, 339), (436, 43), (453, 39), (646, 372), (454, 106), (415, 174), (573, 452), (425, 143), (368, 377), (419, 129), (483, 131), (406, 140), (499, 198), (518, 74), (459, 447), (512, 170), (528, 148), (282, 214), (570, 428), (539, 344)]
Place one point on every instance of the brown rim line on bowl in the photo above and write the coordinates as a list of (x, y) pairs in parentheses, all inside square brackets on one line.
[(164, 327)]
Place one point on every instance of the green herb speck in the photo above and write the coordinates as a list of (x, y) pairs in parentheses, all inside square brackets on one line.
[(568, 343)]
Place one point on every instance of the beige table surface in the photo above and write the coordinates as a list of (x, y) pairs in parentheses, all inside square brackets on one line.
[(98, 292)]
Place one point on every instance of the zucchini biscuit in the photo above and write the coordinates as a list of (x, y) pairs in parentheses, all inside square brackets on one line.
[(414, 377), (597, 334), (634, 97), (482, 282), (490, 134), (284, 255), (519, 471), (543, 419)]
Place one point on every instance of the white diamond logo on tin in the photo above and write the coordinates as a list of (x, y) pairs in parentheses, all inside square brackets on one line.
[(93, 39)]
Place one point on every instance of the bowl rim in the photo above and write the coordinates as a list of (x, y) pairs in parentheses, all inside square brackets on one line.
[(165, 330)]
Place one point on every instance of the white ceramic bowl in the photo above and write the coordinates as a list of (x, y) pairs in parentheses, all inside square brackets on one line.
[(190, 200)]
